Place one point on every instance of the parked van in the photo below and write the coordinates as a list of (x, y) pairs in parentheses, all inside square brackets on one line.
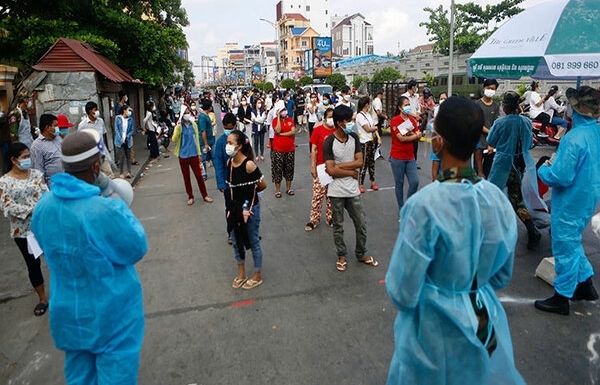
[(321, 89)]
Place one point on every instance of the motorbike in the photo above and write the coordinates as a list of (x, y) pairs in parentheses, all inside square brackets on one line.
[(546, 136)]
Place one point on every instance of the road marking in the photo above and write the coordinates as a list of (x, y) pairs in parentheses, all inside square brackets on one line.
[(594, 337), (382, 281), (242, 303)]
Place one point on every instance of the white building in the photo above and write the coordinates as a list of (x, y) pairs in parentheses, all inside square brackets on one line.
[(207, 70), (351, 36), (317, 11), (268, 61)]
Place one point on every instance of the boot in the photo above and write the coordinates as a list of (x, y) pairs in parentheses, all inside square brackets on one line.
[(585, 291), (533, 235), (558, 304)]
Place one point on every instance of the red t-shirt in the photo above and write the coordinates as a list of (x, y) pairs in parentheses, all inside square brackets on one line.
[(284, 143), (401, 150), (318, 136)]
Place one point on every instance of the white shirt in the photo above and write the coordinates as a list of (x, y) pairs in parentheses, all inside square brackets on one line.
[(534, 110), (415, 108), (550, 106), (98, 125), (376, 106), (363, 118)]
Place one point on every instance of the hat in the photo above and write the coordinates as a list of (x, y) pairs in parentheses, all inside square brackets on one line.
[(279, 106), (63, 121), (489, 82), (585, 101), (511, 99), (81, 149)]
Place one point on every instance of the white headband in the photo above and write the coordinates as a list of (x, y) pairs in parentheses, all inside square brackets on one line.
[(84, 155)]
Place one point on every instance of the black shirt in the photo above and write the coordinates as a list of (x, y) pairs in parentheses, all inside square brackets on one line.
[(243, 185)]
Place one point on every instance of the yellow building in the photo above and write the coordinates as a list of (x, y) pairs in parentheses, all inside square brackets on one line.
[(295, 36)]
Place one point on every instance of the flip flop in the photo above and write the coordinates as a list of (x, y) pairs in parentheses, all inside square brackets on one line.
[(368, 260), (341, 266), (208, 199), (238, 282), (290, 192), (251, 284), (309, 226), (190, 201), (277, 194), (40, 309)]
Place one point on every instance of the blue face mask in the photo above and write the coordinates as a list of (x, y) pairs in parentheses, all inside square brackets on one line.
[(64, 131), (349, 127), (56, 131), (227, 132), (24, 164), (406, 110)]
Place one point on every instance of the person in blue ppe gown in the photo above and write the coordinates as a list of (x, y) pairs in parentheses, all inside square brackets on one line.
[(91, 244), (451, 327), (511, 136), (574, 176)]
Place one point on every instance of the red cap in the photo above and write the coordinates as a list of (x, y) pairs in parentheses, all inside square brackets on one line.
[(63, 121)]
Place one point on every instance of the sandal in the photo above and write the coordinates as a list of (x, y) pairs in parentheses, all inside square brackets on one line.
[(309, 226), (368, 260), (40, 309), (238, 282), (190, 201), (341, 266), (128, 176), (290, 192), (208, 199), (251, 284), (374, 187), (362, 189), (278, 194), (329, 222)]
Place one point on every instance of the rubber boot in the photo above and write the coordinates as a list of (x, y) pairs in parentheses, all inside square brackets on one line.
[(558, 304), (585, 291), (533, 235)]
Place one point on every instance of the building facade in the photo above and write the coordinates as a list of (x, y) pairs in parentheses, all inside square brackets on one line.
[(317, 11), (351, 36)]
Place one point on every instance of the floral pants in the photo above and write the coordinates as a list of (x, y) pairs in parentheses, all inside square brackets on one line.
[(319, 193)]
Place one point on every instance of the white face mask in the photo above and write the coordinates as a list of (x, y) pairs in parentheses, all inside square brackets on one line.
[(230, 150), (129, 113), (186, 117), (244, 103), (193, 108), (329, 122), (347, 98), (96, 114), (258, 106), (489, 93)]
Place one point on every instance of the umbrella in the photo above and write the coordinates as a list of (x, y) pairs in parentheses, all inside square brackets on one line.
[(559, 39)]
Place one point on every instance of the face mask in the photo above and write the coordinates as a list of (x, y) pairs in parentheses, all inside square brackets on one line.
[(24, 164), (258, 106), (56, 131), (442, 101), (64, 131), (439, 150), (129, 113), (313, 99), (186, 117), (97, 114), (126, 99), (325, 102), (193, 108), (154, 108), (329, 122), (283, 114), (347, 98), (489, 93), (244, 103), (102, 181), (406, 110), (349, 127), (230, 150), (227, 132)]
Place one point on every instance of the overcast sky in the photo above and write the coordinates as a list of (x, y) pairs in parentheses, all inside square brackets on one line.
[(395, 23)]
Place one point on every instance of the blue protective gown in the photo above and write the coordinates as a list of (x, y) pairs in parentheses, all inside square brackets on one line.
[(504, 135), (575, 180), (96, 314), (448, 232)]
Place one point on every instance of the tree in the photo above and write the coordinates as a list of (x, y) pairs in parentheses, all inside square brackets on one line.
[(288, 84), (359, 80), (140, 37), (305, 80), (473, 24), (336, 80), (429, 78), (268, 87), (387, 74)]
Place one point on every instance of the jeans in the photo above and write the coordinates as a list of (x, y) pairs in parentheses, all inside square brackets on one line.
[(399, 169), (559, 122), (124, 157), (357, 214), (259, 143), (252, 226)]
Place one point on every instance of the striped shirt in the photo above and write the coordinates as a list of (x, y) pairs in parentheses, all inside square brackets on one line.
[(98, 125), (46, 156)]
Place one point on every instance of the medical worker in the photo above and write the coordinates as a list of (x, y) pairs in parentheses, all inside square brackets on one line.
[(511, 136), (451, 327), (96, 311), (574, 176)]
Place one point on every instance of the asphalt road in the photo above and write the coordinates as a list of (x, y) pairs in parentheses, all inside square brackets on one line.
[(307, 323)]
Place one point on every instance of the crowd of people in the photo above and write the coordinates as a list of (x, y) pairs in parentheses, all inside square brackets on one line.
[(442, 281)]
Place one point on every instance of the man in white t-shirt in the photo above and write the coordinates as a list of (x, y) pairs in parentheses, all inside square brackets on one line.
[(94, 121), (415, 109), (378, 116), (343, 157)]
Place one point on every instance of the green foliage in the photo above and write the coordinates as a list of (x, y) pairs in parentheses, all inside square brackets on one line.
[(521, 89), (305, 80), (359, 80), (336, 80), (288, 84), (387, 74), (140, 37), (473, 24), (429, 78), (268, 87)]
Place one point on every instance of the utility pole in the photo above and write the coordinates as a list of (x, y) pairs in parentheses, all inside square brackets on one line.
[(276, 27), (451, 66)]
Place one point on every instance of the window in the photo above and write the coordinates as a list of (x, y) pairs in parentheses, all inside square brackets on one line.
[(308, 8), (326, 25), (457, 81), (326, 12), (444, 81)]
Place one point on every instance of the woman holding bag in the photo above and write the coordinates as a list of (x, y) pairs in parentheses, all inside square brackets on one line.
[(245, 181)]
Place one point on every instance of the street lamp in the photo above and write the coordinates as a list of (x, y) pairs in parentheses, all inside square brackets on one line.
[(274, 25)]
